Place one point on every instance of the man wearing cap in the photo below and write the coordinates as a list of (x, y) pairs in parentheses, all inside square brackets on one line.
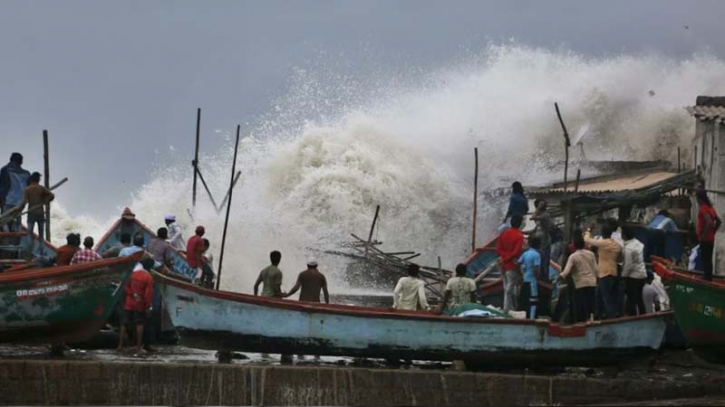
[(176, 239), (311, 282), (36, 197), (13, 180), (195, 251)]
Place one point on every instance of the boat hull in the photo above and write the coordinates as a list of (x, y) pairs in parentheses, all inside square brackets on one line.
[(700, 311), (236, 322), (60, 304)]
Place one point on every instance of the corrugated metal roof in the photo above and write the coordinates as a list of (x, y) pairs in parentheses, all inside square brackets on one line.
[(601, 185), (711, 112)]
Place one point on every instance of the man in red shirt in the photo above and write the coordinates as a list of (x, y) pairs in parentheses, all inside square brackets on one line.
[(707, 224), (139, 297), (508, 248), (195, 252)]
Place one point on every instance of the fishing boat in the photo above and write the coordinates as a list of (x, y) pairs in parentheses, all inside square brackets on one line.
[(699, 307), (60, 304), (227, 321), (14, 251), (179, 268)]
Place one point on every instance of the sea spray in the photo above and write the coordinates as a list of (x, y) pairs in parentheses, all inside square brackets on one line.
[(315, 167)]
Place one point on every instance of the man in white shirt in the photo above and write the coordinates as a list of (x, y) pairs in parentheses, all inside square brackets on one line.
[(459, 289), (176, 238), (634, 272), (410, 291)]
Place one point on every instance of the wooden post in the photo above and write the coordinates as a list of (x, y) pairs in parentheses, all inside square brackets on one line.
[(46, 164), (578, 175), (229, 207), (372, 229), (567, 144), (195, 163), (679, 168), (566, 207), (475, 200)]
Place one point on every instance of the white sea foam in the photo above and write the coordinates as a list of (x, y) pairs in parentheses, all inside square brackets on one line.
[(315, 167)]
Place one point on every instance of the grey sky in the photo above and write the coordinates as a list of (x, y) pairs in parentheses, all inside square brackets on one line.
[(114, 82)]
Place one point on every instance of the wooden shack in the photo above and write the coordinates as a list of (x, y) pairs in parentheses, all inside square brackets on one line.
[(708, 148)]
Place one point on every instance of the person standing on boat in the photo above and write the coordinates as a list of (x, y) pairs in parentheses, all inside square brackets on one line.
[(544, 226), (634, 272), (86, 255), (176, 238), (13, 180), (508, 248), (311, 283), (271, 278), (207, 260), (530, 262), (410, 291), (65, 253), (609, 251), (195, 251), (36, 197), (708, 223), (460, 290), (518, 204), (160, 250), (139, 298), (583, 268)]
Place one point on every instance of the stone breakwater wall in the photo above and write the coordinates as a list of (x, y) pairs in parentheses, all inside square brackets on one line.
[(57, 382)]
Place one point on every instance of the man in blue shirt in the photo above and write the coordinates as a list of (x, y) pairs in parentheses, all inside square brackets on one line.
[(530, 262), (660, 226), (13, 180), (663, 222), (518, 203)]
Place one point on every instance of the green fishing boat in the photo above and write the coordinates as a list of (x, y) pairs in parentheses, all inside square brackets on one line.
[(60, 304), (699, 308)]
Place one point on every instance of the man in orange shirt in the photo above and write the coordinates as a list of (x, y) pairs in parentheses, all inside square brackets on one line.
[(139, 297), (509, 246), (66, 252)]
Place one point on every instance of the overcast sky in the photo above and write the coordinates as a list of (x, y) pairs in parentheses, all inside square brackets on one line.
[(117, 82)]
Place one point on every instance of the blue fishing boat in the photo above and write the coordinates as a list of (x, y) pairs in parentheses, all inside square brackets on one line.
[(220, 320), (179, 268), (14, 250)]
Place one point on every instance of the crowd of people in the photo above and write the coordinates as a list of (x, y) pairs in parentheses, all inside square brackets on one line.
[(603, 275)]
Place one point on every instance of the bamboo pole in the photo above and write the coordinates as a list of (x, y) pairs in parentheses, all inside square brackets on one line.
[(46, 164), (229, 207), (372, 229), (206, 187), (679, 167), (234, 184), (475, 200), (578, 176), (195, 163), (567, 144)]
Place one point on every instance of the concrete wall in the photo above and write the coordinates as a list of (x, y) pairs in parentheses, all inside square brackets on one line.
[(98, 383)]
